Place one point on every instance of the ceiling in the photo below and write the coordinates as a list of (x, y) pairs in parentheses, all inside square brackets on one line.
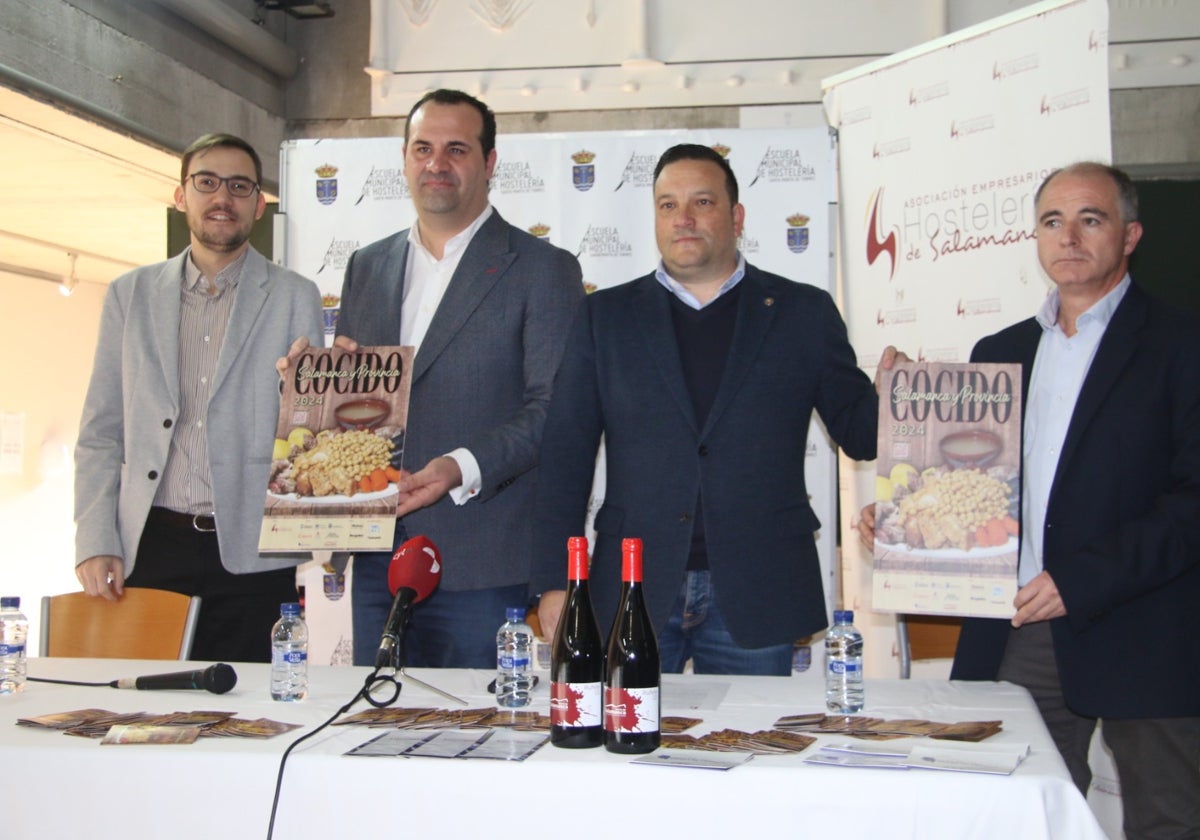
[(74, 187)]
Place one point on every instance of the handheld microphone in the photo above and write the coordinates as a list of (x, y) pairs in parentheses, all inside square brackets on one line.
[(413, 574), (217, 678)]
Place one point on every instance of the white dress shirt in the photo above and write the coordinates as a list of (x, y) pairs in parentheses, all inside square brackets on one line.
[(1059, 369), (426, 279), (684, 294)]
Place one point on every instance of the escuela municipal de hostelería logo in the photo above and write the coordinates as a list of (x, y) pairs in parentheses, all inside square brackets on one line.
[(797, 233), (327, 187), (583, 173)]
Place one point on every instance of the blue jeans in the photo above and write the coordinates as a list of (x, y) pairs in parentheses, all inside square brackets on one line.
[(697, 631), (447, 630)]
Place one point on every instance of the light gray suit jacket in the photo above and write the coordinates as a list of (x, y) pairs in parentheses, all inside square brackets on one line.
[(481, 380), (133, 402)]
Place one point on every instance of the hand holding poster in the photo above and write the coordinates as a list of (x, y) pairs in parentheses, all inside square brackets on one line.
[(948, 489), (339, 447)]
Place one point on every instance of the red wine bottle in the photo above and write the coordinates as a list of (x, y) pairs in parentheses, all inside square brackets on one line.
[(577, 662), (632, 674)]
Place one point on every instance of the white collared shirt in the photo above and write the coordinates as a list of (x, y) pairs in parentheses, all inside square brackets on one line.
[(426, 279), (681, 291), (1061, 365)]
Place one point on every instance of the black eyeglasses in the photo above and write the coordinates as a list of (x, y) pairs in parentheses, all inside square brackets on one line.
[(208, 183)]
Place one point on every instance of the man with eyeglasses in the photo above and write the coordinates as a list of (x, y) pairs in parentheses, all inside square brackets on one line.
[(179, 421)]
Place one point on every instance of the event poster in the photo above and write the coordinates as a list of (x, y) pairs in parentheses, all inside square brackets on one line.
[(339, 447), (947, 489)]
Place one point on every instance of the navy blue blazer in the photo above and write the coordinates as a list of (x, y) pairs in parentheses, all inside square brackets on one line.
[(621, 376), (1122, 536), (481, 380)]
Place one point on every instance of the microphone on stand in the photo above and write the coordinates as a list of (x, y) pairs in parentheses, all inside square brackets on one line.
[(413, 574), (217, 678)]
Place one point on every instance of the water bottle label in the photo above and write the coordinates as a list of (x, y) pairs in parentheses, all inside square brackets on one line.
[(11, 649), (631, 709), (290, 657), (575, 705), (847, 668), (508, 662)]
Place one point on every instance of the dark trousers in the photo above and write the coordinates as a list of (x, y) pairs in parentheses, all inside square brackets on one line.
[(237, 611), (447, 630), (696, 630), (1157, 759)]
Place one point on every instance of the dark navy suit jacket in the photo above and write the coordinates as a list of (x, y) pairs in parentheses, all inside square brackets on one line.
[(1122, 536), (481, 380), (621, 376)]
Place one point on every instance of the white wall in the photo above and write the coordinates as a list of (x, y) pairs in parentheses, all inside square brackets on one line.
[(47, 344)]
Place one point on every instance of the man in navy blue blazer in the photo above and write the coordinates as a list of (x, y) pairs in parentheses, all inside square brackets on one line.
[(702, 378), (488, 307), (1108, 614)]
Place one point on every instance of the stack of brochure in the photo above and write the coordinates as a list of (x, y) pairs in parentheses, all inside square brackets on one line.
[(945, 755)]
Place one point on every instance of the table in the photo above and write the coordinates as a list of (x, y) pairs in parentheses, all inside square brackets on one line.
[(63, 786)]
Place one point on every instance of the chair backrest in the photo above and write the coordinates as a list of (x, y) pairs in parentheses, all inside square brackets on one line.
[(143, 624), (925, 637)]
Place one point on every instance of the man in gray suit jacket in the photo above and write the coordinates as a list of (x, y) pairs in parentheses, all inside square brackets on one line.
[(488, 307), (179, 421), (702, 378)]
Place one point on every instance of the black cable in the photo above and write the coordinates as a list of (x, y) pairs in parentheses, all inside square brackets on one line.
[(112, 684), (365, 691)]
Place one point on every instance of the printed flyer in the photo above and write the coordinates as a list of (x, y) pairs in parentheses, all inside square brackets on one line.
[(339, 447), (947, 490)]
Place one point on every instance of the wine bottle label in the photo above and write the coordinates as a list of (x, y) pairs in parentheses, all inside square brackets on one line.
[(631, 709), (576, 705)]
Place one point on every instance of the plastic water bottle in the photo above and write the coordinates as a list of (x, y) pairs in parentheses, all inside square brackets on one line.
[(14, 629), (843, 664), (514, 660), (289, 655), (802, 655)]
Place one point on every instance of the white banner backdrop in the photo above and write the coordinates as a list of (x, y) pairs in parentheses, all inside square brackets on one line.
[(591, 194), (940, 151)]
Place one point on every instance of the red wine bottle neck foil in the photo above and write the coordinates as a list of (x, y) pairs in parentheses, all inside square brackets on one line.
[(633, 676)]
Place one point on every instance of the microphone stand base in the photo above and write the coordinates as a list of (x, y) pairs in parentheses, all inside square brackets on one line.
[(433, 688)]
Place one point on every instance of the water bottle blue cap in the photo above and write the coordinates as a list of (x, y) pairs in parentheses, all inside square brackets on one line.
[(515, 614), (289, 609), (843, 616), (8, 601)]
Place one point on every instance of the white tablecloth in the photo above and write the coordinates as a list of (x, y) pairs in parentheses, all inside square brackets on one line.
[(58, 786)]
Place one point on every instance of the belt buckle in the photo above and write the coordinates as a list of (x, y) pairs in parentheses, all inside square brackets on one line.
[(196, 522)]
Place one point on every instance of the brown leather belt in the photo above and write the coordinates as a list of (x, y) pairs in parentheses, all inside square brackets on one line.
[(205, 523)]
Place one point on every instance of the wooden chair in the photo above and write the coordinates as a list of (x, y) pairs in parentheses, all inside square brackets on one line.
[(925, 637), (143, 624)]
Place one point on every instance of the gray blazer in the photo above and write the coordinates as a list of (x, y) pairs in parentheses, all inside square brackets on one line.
[(133, 401), (481, 380)]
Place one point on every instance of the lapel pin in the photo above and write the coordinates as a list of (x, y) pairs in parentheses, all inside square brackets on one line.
[(770, 301)]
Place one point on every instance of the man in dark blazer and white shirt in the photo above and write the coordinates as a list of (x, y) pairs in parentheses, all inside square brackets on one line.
[(1108, 615), (488, 307), (702, 378)]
